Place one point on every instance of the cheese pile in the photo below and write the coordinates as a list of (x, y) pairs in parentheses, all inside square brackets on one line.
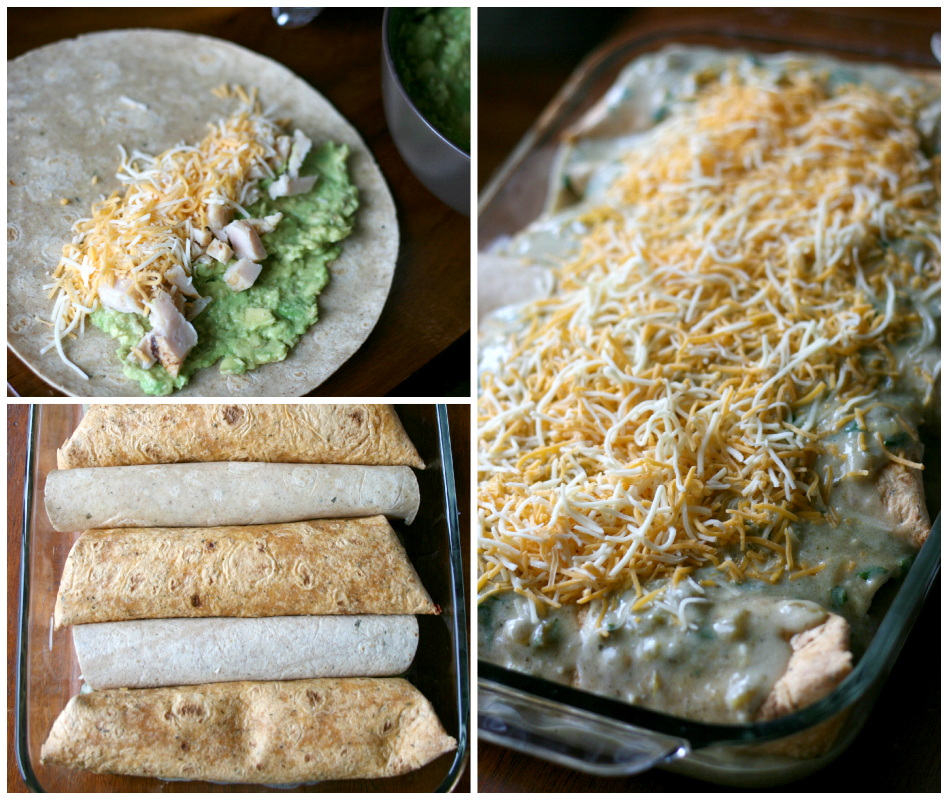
[(734, 281), (138, 236)]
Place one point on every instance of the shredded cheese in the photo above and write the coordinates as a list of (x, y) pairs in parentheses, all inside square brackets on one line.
[(663, 404)]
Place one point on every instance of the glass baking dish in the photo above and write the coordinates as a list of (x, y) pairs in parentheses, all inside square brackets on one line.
[(48, 672), (595, 734)]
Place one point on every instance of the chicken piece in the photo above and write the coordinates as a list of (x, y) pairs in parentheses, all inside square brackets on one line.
[(142, 354), (903, 496), (202, 236), (819, 662), (240, 276), (117, 298), (172, 335), (192, 309), (301, 146), (245, 241), (218, 216), (176, 276), (267, 224), (285, 186), (220, 250), (284, 144)]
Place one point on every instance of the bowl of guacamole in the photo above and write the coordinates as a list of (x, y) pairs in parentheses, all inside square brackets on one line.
[(432, 52), (426, 89)]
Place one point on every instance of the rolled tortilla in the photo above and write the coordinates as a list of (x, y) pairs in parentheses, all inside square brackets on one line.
[(183, 652), (279, 732), (354, 566), (226, 493), (311, 433)]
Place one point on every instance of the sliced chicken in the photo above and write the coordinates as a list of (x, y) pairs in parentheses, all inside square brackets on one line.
[(245, 241), (220, 250), (285, 186), (301, 146), (192, 309), (142, 354), (903, 496), (202, 236), (176, 277), (173, 335), (117, 297), (818, 664), (267, 224), (240, 276), (284, 144), (218, 216)]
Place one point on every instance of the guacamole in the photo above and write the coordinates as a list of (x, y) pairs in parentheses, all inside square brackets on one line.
[(432, 52), (261, 324)]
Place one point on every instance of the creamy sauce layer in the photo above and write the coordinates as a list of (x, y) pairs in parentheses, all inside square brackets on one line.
[(719, 658)]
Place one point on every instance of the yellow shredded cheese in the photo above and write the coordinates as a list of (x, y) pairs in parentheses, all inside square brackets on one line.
[(660, 406)]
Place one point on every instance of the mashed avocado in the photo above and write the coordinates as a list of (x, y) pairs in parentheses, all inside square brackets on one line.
[(261, 324), (432, 52)]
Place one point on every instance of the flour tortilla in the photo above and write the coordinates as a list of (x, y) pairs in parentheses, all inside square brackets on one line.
[(313, 433), (183, 652), (272, 733), (228, 493), (353, 566), (65, 119)]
